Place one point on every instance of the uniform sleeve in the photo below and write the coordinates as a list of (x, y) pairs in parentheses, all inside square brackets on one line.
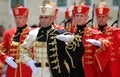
[(4, 46), (76, 49), (3, 56), (102, 54), (5, 42), (25, 48)]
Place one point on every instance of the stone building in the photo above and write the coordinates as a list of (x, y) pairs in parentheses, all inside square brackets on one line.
[(7, 19)]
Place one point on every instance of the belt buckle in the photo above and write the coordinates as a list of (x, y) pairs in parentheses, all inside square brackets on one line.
[(43, 64)]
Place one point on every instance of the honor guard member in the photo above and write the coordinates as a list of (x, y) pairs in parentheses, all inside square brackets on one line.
[(78, 71), (94, 43), (10, 44), (51, 48), (113, 35)]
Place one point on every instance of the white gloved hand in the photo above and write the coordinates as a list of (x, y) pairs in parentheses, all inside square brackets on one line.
[(65, 38), (31, 64), (10, 61), (94, 42)]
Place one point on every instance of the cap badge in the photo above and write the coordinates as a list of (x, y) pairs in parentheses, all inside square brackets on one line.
[(79, 9)]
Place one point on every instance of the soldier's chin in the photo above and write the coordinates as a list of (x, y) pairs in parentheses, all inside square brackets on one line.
[(19, 25), (44, 25)]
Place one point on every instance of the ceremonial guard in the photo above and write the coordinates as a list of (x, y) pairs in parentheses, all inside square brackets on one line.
[(113, 35), (94, 43), (10, 44), (53, 48)]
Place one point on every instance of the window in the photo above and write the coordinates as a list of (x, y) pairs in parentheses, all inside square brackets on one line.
[(61, 3), (13, 3), (116, 2), (88, 2)]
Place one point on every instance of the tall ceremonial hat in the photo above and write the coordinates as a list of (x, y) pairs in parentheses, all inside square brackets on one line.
[(47, 9), (102, 9), (53, 4), (82, 8), (68, 14), (20, 10)]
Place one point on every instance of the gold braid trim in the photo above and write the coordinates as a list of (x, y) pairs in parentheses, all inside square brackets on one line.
[(105, 44), (99, 64), (69, 57), (2, 49), (67, 66), (25, 51), (74, 43), (72, 46)]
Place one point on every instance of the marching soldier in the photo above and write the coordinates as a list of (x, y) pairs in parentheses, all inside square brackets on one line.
[(10, 45), (93, 41), (51, 48), (113, 35)]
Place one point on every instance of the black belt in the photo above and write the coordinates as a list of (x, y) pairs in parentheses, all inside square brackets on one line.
[(40, 65)]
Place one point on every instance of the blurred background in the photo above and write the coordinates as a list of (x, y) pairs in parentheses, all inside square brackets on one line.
[(7, 19)]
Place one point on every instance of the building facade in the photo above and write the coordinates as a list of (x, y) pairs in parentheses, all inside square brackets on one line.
[(7, 19)]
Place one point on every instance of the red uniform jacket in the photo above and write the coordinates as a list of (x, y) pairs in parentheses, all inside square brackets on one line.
[(11, 48), (1, 66), (59, 27), (91, 61), (113, 35)]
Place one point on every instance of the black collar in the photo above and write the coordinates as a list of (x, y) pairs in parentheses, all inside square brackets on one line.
[(101, 28), (19, 29)]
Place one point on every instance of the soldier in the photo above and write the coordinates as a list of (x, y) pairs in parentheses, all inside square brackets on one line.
[(10, 44), (112, 34), (51, 48), (94, 43)]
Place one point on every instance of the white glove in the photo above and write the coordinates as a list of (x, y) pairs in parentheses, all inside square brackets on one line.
[(65, 38), (10, 61), (94, 42), (31, 64)]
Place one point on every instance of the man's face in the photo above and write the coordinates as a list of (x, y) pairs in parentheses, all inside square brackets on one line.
[(102, 20), (45, 20), (81, 19), (20, 20)]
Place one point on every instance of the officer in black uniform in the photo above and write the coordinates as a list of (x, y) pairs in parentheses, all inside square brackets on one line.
[(53, 48)]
